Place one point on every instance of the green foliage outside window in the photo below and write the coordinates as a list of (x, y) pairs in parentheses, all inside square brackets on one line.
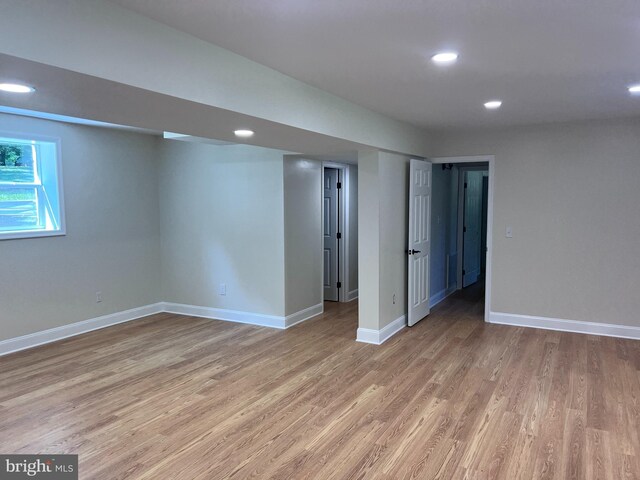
[(10, 155)]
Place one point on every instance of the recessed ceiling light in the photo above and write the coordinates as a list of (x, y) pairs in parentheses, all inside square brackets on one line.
[(493, 104), (444, 58), (634, 89), (16, 88), (243, 133)]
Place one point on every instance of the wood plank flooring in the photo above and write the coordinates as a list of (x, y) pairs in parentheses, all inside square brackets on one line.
[(451, 398)]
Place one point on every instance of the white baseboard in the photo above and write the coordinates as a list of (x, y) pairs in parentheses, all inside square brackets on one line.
[(47, 336), (368, 335), (258, 319), (352, 295), (575, 326), (441, 295), (471, 277), (237, 316), (54, 334), (378, 337), (302, 315)]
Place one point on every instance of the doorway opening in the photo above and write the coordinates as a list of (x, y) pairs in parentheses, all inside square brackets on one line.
[(461, 219), (339, 232)]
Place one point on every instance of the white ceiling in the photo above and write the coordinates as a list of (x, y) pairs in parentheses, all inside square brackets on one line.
[(548, 60)]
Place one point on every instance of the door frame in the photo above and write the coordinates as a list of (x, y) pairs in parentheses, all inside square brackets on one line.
[(460, 220), (343, 225), (490, 159)]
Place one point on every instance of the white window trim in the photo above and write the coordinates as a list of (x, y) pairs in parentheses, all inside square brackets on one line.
[(62, 231)]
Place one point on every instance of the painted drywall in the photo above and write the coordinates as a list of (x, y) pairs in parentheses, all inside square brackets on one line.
[(139, 52), (112, 243), (442, 194), (368, 240), (570, 193), (394, 227), (353, 229), (383, 226), (222, 222), (302, 233)]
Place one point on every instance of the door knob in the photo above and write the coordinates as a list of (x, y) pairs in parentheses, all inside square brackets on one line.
[(413, 252)]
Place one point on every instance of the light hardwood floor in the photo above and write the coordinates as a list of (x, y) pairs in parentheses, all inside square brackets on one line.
[(451, 398)]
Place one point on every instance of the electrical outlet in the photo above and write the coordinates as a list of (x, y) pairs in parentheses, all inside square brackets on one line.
[(222, 289), (394, 298), (98, 297)]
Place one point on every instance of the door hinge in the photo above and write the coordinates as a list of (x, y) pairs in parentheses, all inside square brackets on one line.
[(339, 284), (464, 272), (339, 235), (464, 229), (465, 184), (339, 185)]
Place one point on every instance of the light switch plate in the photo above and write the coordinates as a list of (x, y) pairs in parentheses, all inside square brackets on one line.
[(509, 233)]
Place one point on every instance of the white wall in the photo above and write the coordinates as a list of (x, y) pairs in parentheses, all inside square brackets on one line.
[(369, 240), (302, 233), (382, 225), (222, 218), (112, 243), (153, 220), (394, 227), (570, 192), (443, 230)]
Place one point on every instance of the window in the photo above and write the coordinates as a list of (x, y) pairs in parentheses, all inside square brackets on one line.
[(30, 188)]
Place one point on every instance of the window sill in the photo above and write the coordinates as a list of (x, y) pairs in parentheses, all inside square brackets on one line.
[(32, 234)]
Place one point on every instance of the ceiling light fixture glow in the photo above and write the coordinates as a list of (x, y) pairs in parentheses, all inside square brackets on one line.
[(445, 58), (16, 88), (493, 104), (243, 133), (634, 89)]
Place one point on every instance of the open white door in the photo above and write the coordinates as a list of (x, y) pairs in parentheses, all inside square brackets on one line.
[(419, 239)]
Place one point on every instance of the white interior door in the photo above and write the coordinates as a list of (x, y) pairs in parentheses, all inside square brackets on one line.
[(419, 240), (331, 233), (472, 227)]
